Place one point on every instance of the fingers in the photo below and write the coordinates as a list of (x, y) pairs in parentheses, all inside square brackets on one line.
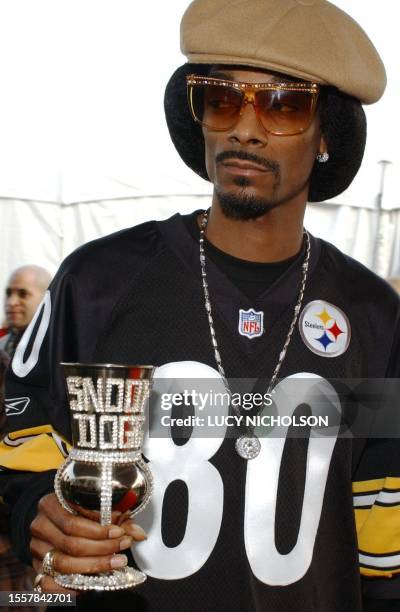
[(47, 584), (67, 564), (80, 527), (134, 530), (82, 546), (43, 529), (73, 525), (124, 516)]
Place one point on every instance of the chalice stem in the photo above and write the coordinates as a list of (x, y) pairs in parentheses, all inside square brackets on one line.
[(106, 494)]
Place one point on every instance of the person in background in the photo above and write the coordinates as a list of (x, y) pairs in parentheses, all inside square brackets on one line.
[(24, 292), (394, 281)]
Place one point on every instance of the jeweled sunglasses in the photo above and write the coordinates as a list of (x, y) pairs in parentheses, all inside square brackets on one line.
[(283, 109)]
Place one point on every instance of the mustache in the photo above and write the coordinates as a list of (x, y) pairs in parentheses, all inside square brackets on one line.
[(269, 164)]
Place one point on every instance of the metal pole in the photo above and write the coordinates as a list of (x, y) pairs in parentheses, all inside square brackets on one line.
[(380, 233)]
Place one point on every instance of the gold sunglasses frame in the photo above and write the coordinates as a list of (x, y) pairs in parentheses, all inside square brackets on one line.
[(249, 90)]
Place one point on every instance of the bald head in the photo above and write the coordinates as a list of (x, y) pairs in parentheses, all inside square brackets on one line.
[(395, 282), (24, 292)]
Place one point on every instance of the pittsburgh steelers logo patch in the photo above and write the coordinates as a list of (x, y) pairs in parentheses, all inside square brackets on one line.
[(325, 329)]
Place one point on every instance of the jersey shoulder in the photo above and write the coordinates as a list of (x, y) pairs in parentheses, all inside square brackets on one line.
[(134, 245), (357, 281)]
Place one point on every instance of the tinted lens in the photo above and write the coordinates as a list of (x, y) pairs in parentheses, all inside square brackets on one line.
[(280, 111), (215, 107), (285, 112)]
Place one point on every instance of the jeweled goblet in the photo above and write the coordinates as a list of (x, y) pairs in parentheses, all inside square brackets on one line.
[(105, 471)]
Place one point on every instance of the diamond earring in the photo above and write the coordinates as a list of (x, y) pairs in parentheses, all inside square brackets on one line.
[(322, 158)]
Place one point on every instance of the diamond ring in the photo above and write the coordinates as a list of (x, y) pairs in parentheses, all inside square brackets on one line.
[(48, 563)]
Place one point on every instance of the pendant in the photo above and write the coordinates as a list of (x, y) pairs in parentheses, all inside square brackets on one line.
[(248, 446)]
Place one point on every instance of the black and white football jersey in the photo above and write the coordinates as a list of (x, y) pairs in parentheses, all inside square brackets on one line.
[(278, 533)]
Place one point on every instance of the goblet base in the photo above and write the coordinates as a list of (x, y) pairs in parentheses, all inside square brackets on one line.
[(115, 580)]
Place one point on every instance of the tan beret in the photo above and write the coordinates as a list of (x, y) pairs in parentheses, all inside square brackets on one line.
[(308, 39)]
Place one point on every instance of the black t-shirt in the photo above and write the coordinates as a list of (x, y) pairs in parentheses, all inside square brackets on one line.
[(252, 278)]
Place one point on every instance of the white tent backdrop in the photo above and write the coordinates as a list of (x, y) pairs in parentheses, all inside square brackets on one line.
[(84, 149)]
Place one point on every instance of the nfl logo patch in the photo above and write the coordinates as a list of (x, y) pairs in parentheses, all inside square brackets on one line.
[(251, 323)]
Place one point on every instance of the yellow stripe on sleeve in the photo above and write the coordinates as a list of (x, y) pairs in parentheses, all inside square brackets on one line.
[(31, 450), (363, 486), (378, 527)]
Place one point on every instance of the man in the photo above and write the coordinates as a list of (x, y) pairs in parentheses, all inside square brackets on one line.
[(24, 292), (270, 113)]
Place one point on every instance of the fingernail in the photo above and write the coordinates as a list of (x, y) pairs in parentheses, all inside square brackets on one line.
[(115, 532), (138, 532), (119, 561), (125, 543)]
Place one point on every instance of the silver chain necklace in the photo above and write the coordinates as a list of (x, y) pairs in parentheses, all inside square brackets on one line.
[(248, 446)]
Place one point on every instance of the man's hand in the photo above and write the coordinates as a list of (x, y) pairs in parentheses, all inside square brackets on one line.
[(81, 546)]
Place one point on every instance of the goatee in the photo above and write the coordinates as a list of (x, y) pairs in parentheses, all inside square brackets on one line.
[(241, 204), (244, 206)]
